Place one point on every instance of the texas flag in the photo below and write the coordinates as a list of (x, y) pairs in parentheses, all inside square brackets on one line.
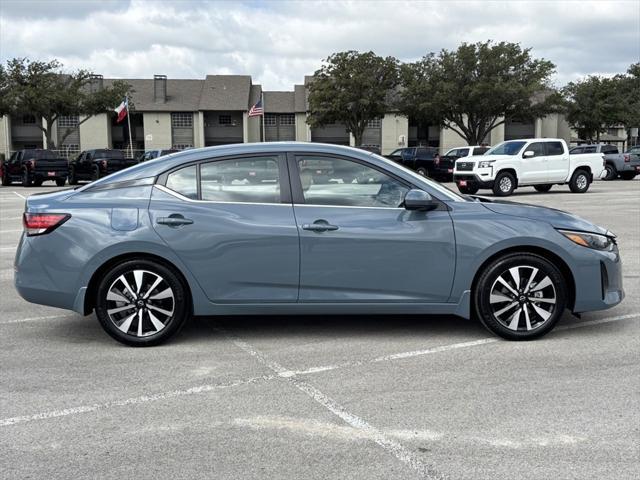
[(122, 110)]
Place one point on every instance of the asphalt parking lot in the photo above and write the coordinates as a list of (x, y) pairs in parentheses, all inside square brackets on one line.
[(326, 397)]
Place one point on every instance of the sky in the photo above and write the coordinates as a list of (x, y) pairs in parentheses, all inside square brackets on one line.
[(278, 42)]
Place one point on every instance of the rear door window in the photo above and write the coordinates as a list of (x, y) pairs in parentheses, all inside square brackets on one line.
[(554, 148)]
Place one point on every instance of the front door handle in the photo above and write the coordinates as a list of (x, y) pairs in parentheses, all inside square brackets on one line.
[(174, 220), (319, 226)]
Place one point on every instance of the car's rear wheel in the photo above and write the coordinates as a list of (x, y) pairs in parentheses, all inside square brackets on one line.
[(26, 178), (61, 181), (520, 296), (611, 172), (468, 189), (628, 175), (95, 174), (504, 184), (6, 180), (73, 179), (579, 182), (141, 303), (543, 188), (37, 183)]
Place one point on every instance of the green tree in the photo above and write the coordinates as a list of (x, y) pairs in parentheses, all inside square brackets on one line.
[(473, 89), (42, 89), (629, 90), (593, 104), (352, 88)]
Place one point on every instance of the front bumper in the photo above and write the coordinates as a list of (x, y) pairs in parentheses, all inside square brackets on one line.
[(598, 280), (474, 179)]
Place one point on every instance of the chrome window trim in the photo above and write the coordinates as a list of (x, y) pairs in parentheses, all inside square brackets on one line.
[(187, 199), (344, 206)]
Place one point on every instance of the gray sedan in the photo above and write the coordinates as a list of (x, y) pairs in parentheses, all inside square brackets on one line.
[(304, 228)]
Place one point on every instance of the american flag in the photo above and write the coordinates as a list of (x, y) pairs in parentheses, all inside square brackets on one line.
[(257, 109)]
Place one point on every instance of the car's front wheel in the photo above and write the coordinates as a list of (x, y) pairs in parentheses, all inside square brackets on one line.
[(423, 172), (141, 303), (504, 184), (520, 296)]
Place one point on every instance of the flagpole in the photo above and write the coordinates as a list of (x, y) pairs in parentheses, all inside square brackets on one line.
[(264, 134), (129, 123)]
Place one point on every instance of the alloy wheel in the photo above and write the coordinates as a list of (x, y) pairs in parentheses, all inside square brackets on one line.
[(505, 184), (522, 298), (140, 303), (581, 181)]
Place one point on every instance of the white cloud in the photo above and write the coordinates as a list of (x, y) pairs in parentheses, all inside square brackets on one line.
[(279, 42)]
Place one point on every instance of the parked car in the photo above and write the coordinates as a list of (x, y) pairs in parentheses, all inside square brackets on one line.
[(151, 154), (94, 164), (396, 155), (537, 162), (624, 165), (177, 240), (33, 167), (472, 151), (371, 148), (426, 161), (634, 150)]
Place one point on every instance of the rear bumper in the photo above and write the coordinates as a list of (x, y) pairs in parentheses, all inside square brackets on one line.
[(49, 174)]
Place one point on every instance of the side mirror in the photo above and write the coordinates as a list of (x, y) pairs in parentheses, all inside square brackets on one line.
[(419, 200), (528, 154)]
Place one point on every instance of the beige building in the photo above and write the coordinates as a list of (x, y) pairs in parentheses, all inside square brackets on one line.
[(174, 113)]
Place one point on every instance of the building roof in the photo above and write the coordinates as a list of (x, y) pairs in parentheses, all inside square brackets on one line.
[(182, 95), (279, 102), (225, 92)]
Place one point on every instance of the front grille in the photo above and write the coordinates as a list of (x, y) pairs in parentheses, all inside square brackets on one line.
[(464, 166)]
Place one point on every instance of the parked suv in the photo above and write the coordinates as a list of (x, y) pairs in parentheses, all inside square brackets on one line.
[(537, 162), (625, 165), (94, 164), (426, 161), (34, 166), (151, 154), (460, 152)]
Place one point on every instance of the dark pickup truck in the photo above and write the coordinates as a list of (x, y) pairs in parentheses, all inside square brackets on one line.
[(427, 162), (94, 164), (34, 166)]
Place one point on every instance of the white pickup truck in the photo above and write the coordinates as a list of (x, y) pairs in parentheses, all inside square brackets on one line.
[(536, 162)]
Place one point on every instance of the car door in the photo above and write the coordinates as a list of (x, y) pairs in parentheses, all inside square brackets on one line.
[(533, 169), (557, 161), (357, 242), (238, 237)]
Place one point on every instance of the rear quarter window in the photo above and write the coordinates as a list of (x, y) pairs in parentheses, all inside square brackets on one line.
[(184, 182)]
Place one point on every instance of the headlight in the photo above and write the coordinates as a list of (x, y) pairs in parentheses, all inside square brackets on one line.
[(485, 163), (590, 240)]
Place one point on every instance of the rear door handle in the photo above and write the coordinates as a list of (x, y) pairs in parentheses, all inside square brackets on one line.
[(174, 220), (319, 226)]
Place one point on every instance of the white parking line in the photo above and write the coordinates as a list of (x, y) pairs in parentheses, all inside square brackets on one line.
[(21, 196), (33, 319), (129, 401), (391, 446), (12, 231), (445, 348), (281, 372)]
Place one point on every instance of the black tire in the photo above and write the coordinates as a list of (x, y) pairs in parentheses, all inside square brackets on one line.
[(580, 181), (73, 179), (612, 173), (177, 304), (504, 184), (26, 179), (61, 181), (6, 180), (95, 174), (628, 175), (501, 319), (543, 188), (422, 172), (468, 190)]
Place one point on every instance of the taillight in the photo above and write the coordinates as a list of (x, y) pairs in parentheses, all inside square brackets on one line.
[(104, 163), (436, 160), (41, 223), (627, 158), (31, 164)]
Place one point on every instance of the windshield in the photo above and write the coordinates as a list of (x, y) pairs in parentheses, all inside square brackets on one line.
[(507, 148)]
